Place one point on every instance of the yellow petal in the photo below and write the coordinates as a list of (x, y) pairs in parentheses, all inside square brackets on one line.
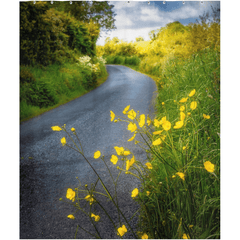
[(56, 128), (192, 93), (97, 154)]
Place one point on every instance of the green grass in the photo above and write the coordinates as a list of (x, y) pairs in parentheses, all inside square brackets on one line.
[(54, 85), (175, 204)]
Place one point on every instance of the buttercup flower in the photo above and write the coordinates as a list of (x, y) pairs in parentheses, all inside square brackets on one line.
[(73, 129), (157, 142), (126, 153), (96, 217), (184, 147), (185, 236), (122, 230), (192, 93), (71, 194), (166, 125), (131, 114), (126, 109), (178, 125), (56, 128), (157, 132), (182, 116), (206, 116), (130, 163), (112, 115), (182, 108), (119, 150), (149, 165), (132, 137), (114, 159), (144, 236), (134, 193), (97, 154), (148, 120), (71, 216), (89, 199), (142, 120), (183, 100), (189, 114), (193, 105), (163, 120), (148, 193), (163, 103), (63, 141), (132, 127), (156, 123), (209, 166), (181, 175)]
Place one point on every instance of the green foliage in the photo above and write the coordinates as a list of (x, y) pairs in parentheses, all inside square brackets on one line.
[(134, 60), (48, 36), (100, 12)]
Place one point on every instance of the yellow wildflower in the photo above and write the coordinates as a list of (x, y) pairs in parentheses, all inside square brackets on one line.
[(56, 128), (185, 236), (157, 142), (192, 93), (206, 116), (97, 154), (114, 159), (126, 109), (134, 193), (193, 105), (178, 125), (142, 120), (163, 103), (122, 230), (148, 193), (148, 120), (183, 100), (182, 116), (166, 125), (156, 123), (149, 165), (182, 108), (73, 129), (63, 141), (181, 175), (144, 236), (112, 115), (157, 132), (173, 176), (71, 194), (184, 147), (132, 127), (132, 137), (126, 153), (90, 199), (119, 150), (130, 163), (189, 114), (96, 217), (190, 226), (209, 166), (71, 216), (131, 114), (163, 120)]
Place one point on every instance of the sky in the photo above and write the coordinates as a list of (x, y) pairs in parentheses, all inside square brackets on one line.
[(138, 18)]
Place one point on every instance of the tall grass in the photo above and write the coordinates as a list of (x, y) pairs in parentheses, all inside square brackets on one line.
[(189, 207)]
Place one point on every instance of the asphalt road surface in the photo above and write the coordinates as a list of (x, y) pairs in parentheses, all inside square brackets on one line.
[(47, 169)]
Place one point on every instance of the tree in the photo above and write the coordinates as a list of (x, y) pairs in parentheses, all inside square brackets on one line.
[(99, 12)]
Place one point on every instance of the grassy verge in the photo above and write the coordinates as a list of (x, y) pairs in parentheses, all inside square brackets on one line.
[(43, 89), (180, 195)]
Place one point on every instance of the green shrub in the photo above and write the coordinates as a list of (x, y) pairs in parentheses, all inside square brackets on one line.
[(134, 60)]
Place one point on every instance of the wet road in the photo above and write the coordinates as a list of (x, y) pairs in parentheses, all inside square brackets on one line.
[(47, 168)]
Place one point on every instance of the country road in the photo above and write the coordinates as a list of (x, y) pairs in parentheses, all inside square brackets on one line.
[(47, 168)]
